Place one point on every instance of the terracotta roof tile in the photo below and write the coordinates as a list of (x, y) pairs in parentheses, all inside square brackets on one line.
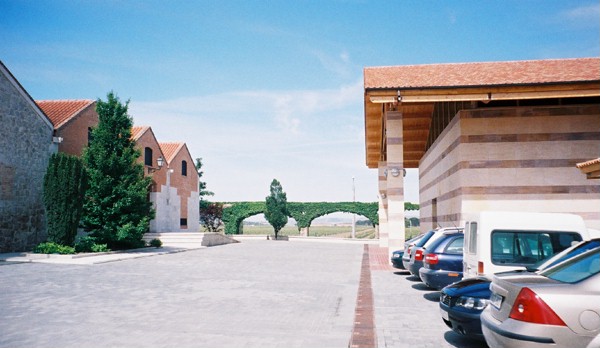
[(170, 150), (588, 163), (138, 131), (61, 111), (483, 74)]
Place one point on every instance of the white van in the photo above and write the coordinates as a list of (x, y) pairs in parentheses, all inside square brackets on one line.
[(504, 241)]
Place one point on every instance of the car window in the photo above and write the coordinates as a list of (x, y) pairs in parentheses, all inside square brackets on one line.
[(425, 238), (455, 246), (576, 269), (568, 254), (528, 247)]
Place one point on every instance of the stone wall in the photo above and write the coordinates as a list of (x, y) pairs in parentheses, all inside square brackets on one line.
[(512, 159), (25, 148)]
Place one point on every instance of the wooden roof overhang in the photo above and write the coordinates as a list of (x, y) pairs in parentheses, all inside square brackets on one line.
[(417, 106)]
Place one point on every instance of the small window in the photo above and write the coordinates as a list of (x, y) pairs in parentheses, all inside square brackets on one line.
[(183, 222), (472, 228), (184, 168), (148, 156)]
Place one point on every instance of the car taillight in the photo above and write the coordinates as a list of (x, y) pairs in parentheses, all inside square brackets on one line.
[(419, 255), (431, 259), (531, 308), (409, 248)]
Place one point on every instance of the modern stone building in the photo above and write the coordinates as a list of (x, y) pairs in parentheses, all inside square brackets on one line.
[(26, 144), (484, 136), (73, 121)]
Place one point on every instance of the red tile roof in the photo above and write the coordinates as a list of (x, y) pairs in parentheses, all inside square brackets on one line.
[(588, 163), (61, 111), (170, 150), (138, 131), (483, 74)]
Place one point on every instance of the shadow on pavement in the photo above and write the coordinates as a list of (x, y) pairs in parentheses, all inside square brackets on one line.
[(432, 296), (422, 287), (402, 273), (413, 278), (462, 341)]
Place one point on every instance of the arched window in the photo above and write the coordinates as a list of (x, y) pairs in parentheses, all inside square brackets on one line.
[(184, 168), (148, 156)]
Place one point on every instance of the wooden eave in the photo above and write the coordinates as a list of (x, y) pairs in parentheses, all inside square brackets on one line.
[(417, 105)]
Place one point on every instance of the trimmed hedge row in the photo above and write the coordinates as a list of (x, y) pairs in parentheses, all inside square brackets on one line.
[(304, 213)]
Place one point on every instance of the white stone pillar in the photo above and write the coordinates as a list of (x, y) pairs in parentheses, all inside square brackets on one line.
[(395, 181), (383, 213)]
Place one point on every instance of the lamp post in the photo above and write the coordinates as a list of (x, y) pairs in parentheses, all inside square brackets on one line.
[(353, 215)]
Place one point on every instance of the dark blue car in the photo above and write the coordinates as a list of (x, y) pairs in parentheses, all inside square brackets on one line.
[(442, 264), (461, 305), (398, 254)]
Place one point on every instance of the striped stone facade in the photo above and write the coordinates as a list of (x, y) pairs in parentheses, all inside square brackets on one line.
[(512, 159)]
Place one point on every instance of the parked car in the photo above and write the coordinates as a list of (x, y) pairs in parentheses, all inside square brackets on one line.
[(461, 304), (397, 255), (465, 320), (558, 306), (442, 264), (407, 251), (417, 252)]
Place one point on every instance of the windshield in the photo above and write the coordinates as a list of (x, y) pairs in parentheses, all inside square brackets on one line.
[(567, 254), (425, 238), (575, 269)]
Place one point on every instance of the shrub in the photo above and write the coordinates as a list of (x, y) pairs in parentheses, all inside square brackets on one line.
[(155, 243), (88, 244), (100, 248), (53, 248), (65, 183)]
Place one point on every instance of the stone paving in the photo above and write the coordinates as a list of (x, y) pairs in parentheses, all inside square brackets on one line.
[(256, 293)]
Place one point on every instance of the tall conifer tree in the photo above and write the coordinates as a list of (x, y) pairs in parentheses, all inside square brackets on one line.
[(117, 210)]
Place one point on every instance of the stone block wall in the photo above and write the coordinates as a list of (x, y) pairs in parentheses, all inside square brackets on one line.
[(512, 159), (25, 148)]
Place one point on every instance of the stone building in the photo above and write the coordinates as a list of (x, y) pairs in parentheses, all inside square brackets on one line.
[(484, 136), (73, 121), (26, 144)]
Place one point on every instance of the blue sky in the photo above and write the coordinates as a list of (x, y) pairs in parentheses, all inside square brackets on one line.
[(270, 89)]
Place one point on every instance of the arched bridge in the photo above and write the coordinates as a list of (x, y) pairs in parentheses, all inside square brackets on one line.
[(304, 213)]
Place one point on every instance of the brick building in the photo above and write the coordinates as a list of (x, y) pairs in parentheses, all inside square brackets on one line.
[(26, 145), (174, 190), (484, 136), (73, 121)]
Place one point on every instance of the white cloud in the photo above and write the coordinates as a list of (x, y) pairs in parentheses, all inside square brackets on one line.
[(312, 141), (583, 15)]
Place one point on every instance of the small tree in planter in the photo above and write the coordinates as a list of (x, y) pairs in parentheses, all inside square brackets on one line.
[(276, 212)]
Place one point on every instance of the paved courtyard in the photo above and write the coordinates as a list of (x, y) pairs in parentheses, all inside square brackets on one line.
[(256, 293)]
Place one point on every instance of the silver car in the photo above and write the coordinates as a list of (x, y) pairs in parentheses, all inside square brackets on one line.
[(558, 306)]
